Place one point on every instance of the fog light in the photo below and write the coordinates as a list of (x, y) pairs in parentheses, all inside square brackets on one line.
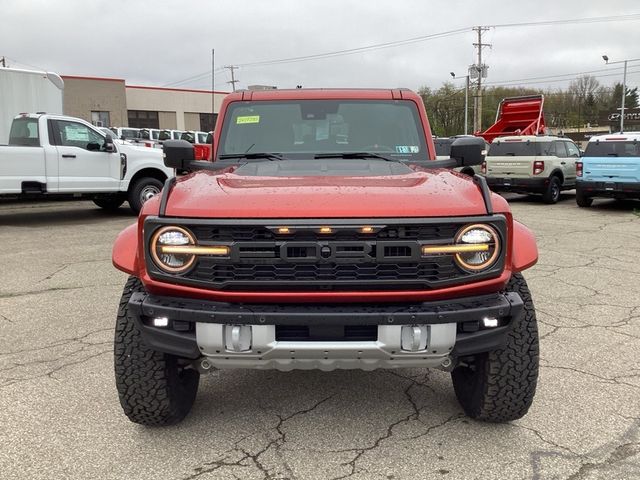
[(414, 338), (161, 322), (489, 322), (237, 338)]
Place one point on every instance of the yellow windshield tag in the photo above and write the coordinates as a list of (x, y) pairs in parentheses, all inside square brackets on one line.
[(248, 119)]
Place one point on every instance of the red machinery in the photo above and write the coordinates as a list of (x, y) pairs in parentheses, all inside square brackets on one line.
[(517, 116)]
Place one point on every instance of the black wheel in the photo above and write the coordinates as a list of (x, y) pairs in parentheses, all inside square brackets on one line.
[(499, 386), (142, 190), (552, 194), (153, 387), (583, 201), (109, 202)]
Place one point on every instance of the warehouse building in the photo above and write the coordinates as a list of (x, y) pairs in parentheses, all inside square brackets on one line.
[(111, 102)]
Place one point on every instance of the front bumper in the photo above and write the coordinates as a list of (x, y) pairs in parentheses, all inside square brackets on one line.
[(507, 184), (449, 329), (609, 189)]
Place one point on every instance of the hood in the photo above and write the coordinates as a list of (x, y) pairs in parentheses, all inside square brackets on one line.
[(416, 194)]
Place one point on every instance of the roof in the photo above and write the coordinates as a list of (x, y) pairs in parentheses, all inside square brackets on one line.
[(528, 138), (325, 93), (616, 137)]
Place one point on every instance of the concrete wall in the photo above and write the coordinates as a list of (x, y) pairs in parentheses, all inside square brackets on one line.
[(174, 100), (82, 95)]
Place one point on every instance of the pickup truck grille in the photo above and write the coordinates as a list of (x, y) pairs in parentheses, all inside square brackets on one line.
[(344, 258)]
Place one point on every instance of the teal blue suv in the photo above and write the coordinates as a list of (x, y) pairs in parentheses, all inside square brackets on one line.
[(610, 168)]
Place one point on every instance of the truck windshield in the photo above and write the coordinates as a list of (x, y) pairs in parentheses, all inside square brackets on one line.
[(24, 132), (514, 149), (612, 149), (303, 128)]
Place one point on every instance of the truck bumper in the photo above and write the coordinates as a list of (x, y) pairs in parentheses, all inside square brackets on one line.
[(325, 337), (609, 189), (518, 185)]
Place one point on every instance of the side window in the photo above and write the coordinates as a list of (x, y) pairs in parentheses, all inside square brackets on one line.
[(561, 151), (547, 149), (572, 150), (72, 134), (24, 132)]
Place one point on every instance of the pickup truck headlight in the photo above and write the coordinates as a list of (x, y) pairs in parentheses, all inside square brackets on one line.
[(170, 249), (483, 243)]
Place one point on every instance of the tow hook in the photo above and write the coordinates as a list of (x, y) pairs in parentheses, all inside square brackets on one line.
[(203, 365)]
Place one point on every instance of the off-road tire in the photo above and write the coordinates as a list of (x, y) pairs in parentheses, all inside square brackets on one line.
[(138, 192), (109, 202), (583, 201), (154, 389), (499, 386), (552, 193)]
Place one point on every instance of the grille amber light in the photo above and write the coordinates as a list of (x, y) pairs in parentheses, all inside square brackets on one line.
[(284, 230), (326, 230), (195, 250), (366, 230)]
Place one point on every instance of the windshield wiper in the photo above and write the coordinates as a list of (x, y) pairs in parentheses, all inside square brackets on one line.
[(251, 156), (348, 155)]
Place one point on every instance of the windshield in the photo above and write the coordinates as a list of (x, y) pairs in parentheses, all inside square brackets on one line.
[(612, 149), (304, 128), (514, 149)]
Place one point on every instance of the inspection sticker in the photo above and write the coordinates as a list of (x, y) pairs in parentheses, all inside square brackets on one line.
[(407, 149), (248, 119)]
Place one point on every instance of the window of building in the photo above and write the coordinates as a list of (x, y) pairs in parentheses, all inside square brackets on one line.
[(100, 119), (143, 119), (208, 121)]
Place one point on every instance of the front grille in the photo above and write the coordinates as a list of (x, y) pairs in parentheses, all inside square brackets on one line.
[(345, 259)]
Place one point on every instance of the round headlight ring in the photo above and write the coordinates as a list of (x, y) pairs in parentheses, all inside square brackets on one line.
[(494, 247), (156, 254)]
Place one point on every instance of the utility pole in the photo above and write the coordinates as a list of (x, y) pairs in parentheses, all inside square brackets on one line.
[(3, 61), (480, 70), (233, 80)]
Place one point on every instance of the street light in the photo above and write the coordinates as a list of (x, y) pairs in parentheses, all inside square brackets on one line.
[(624, 85), (466, 99)]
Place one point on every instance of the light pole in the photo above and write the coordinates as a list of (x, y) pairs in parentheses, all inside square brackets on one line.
[(624, 85), (466, 100)]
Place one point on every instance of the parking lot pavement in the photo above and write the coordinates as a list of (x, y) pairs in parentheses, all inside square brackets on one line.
[(60, 416)]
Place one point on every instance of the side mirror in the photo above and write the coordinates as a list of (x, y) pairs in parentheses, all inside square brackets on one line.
[(108, 144), (93, 146), (468, 151), (178, 154)]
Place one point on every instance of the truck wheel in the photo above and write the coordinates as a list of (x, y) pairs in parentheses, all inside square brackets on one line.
[(142, 190), (154, 389), (552, 194), (583, 200), (499, 386), (109, 202)]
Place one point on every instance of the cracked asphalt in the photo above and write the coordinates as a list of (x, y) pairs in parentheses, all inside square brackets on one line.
[(60, 417)]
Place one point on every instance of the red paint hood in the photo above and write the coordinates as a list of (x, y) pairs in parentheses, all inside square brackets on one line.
[(428, 193)]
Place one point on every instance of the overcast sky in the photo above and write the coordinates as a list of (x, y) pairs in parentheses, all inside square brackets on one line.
[(163, 43)]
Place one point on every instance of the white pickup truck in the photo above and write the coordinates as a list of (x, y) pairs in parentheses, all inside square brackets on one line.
[(50, 155)]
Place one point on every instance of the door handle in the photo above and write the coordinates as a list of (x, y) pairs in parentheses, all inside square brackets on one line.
[(563, 163), (64, 155)]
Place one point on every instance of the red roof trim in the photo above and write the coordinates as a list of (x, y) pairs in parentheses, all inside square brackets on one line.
[(104, 79), (176, 89)]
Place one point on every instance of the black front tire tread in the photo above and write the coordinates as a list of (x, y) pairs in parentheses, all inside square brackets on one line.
[(111, 203), (153, 389), (583, 201), (503, 384)]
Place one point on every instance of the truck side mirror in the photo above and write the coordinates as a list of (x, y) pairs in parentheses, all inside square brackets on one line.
[(108, 144), (468, 151), (178, 154)]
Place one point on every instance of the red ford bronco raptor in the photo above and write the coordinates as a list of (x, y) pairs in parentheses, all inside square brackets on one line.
[(324, 234)]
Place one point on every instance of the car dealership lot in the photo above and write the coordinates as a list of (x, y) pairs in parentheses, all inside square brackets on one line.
[(61, 418)]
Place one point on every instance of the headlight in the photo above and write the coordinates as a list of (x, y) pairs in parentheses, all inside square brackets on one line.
[(483, 243), (171, 249)]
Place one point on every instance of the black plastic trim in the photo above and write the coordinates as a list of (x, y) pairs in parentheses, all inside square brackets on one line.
[(486, 193), (166, 191), (480, 341)]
